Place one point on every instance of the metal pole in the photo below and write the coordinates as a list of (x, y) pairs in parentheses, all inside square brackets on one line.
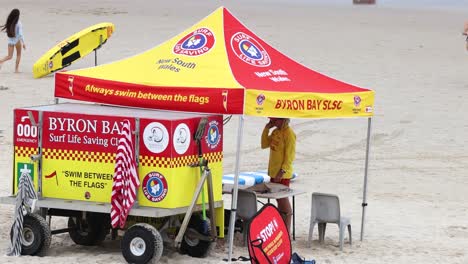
[(136, 137), (39, 162), (137, 141), (366, 169), (38, 157), (95, 51), (232, 221), (188, 214), (209, 180)]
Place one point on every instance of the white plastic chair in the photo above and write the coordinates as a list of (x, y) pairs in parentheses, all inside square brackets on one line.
[(326, 209), (247, 208)]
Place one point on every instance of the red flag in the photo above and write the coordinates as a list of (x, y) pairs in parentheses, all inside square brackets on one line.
[(53, 174), (126, 180)]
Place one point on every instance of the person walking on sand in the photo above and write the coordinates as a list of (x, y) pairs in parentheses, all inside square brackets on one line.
[(14, 31), (282, 144)]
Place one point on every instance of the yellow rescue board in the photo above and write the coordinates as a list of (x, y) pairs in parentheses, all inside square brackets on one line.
[(72, 49)]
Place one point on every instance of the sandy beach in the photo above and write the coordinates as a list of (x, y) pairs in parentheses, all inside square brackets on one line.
[(413, 57)]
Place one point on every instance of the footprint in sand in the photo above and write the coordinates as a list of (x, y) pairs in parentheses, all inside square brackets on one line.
[(457, 231)]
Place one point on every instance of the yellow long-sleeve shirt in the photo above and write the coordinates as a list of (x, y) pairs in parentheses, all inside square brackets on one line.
[(282, 144)]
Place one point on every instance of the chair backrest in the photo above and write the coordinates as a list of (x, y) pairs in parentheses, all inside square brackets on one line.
[(325, 207), (246, 204)]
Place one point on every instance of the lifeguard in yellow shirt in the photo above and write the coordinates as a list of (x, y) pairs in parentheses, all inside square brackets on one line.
[(282, 144)]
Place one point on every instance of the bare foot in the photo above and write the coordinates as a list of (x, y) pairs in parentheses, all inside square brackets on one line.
[(17, 72)]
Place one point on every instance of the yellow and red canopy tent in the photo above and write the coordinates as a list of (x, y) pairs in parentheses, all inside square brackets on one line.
[(220, 66)]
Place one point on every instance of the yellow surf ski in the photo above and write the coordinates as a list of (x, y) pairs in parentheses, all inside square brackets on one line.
[(72, 49)]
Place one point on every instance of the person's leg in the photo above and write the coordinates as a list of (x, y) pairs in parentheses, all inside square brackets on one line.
[(18, 56), (9, 56), (284, 206)]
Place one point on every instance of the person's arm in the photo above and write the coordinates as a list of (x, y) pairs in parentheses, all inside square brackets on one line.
[(465, 29), (289, 152), (266, 139), (20, 34)]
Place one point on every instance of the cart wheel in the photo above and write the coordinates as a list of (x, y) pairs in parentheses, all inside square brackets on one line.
[(90, 231), (142, 243), (193, 246), (36, 235)]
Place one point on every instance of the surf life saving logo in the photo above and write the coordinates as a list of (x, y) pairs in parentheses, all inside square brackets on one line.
[(195, 43), (260, 99), (357, 103), (154, 186), (156, 137), (213, 137), (181, 138), (249, 50), (357, 100)]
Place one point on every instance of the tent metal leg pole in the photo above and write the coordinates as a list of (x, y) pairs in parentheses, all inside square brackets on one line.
[(232, 220), (366, 169), (95, 51)]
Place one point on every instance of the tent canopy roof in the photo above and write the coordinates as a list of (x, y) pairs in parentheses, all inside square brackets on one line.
[(217, 66)]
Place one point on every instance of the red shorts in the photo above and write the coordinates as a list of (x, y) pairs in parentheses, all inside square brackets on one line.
[(285, 182)]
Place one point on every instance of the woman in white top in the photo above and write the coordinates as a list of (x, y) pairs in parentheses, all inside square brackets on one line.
[(14, 32)]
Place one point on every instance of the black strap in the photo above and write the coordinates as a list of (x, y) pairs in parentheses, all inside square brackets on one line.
[(258, 243), (364, 204), (240, 258), (70, 46), (71, 58)]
